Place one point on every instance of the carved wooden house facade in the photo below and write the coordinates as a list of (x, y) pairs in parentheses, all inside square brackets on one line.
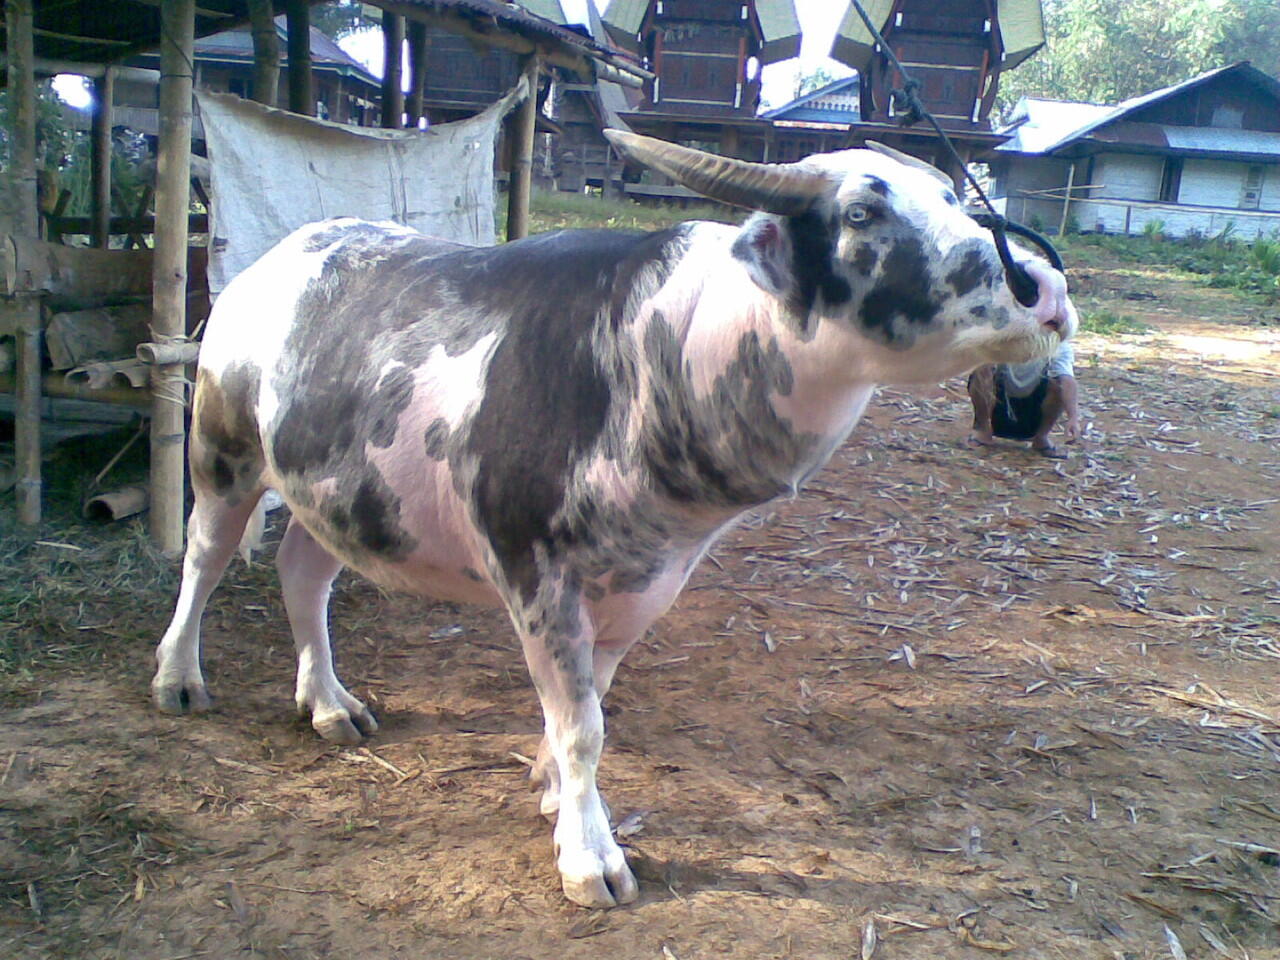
[(706, 57), (956, 49)]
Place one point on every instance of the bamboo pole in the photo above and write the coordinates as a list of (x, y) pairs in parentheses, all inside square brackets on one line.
[(521, 129), (266, 52), (25, 222), (169, 277), (392, 74), (1066, 200), (103, 95), (417, 72), (298, 20)]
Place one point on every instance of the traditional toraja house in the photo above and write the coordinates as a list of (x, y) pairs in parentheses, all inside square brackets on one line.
[(1200, 156), (93, 38), (817, 122), (706, 57), (956, 49)]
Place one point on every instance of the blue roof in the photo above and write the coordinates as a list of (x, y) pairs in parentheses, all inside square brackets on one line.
[(837, 102)]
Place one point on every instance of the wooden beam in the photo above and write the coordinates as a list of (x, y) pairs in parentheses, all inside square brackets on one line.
[(169, 276), (266, 52), (417, 72), (24, 217), (298, 20), (392, 72), (100, 158), (520, 186)]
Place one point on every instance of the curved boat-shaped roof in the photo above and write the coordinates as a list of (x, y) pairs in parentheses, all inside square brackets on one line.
[(1021, 25), (779, 26)]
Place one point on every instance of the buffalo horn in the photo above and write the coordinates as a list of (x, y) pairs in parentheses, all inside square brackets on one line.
[(784, 189)]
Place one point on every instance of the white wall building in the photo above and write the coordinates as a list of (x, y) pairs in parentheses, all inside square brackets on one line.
[(1201, 156)]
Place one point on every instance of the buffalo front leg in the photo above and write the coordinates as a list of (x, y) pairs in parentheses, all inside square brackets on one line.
[(213, 531), (307, 572), (593, 869), (545, 773)]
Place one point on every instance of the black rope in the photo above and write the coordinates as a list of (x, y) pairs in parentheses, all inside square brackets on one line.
[(909, 110)]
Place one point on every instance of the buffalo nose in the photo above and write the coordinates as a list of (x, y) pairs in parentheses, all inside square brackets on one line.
[(1022, 285)]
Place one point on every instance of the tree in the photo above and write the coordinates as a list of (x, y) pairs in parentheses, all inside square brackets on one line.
[(341, 18), (1104, 51), (809, 82)]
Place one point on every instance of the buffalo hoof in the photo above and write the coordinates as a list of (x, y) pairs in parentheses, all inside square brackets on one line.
[(346, 727), (597, 879), (177, 696)]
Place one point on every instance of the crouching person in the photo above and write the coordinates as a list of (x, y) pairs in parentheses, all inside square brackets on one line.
[(1023, 401)]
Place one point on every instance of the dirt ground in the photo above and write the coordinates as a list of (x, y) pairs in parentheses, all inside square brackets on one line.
[(950, 703)]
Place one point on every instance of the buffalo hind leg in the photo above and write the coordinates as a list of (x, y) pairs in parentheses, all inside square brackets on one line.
[(593, 869), (545, 774), (213, 531), (307, 571)]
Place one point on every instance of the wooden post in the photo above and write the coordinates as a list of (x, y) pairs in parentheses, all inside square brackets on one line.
[(298, 24), (266, 52), (169, 271), (392, 74), (1066, 200), (520, 185), (417, 72), (103, 94), (25, 218)]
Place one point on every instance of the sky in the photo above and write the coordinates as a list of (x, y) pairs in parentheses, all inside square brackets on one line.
[(818, 22)]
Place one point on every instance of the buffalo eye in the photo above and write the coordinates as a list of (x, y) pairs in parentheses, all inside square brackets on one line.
[(859, 215)]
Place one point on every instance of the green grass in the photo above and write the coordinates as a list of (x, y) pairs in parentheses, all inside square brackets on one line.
[(1219, 261), (1105, 323), (549, 210)]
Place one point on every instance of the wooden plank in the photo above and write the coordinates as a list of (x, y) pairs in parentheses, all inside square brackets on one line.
[(196, 223)]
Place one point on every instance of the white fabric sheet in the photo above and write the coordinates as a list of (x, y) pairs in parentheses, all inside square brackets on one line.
[(273, 171)]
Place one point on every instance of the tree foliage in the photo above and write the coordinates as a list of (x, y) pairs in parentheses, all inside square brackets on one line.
[(340, 18), (1104, 51)]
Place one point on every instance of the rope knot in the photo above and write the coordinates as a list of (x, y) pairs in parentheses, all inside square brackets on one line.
[(906, 103)]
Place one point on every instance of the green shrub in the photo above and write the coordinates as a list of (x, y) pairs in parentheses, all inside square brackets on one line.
[(1108, 324)]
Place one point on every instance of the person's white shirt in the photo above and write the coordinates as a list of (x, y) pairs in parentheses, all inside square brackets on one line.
[(1020, 379)]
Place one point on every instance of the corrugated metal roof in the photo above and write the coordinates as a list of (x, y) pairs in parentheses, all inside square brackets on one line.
[(547, 9), (1021, 30), (837, 102), (1037, 123), (1259, 143), (1128, 107), (237, 45)]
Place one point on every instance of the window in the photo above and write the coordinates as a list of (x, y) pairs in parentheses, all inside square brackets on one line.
[(1171, 180), (1251, 195), (1230, 117)]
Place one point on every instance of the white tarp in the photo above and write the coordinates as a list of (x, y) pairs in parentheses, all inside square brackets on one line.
[(273, 171)]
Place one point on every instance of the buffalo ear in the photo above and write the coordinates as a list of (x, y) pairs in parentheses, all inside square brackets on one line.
[(909, 161), (764, 248)]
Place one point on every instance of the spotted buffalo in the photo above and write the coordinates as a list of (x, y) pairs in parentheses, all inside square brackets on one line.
[(563, 425)]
